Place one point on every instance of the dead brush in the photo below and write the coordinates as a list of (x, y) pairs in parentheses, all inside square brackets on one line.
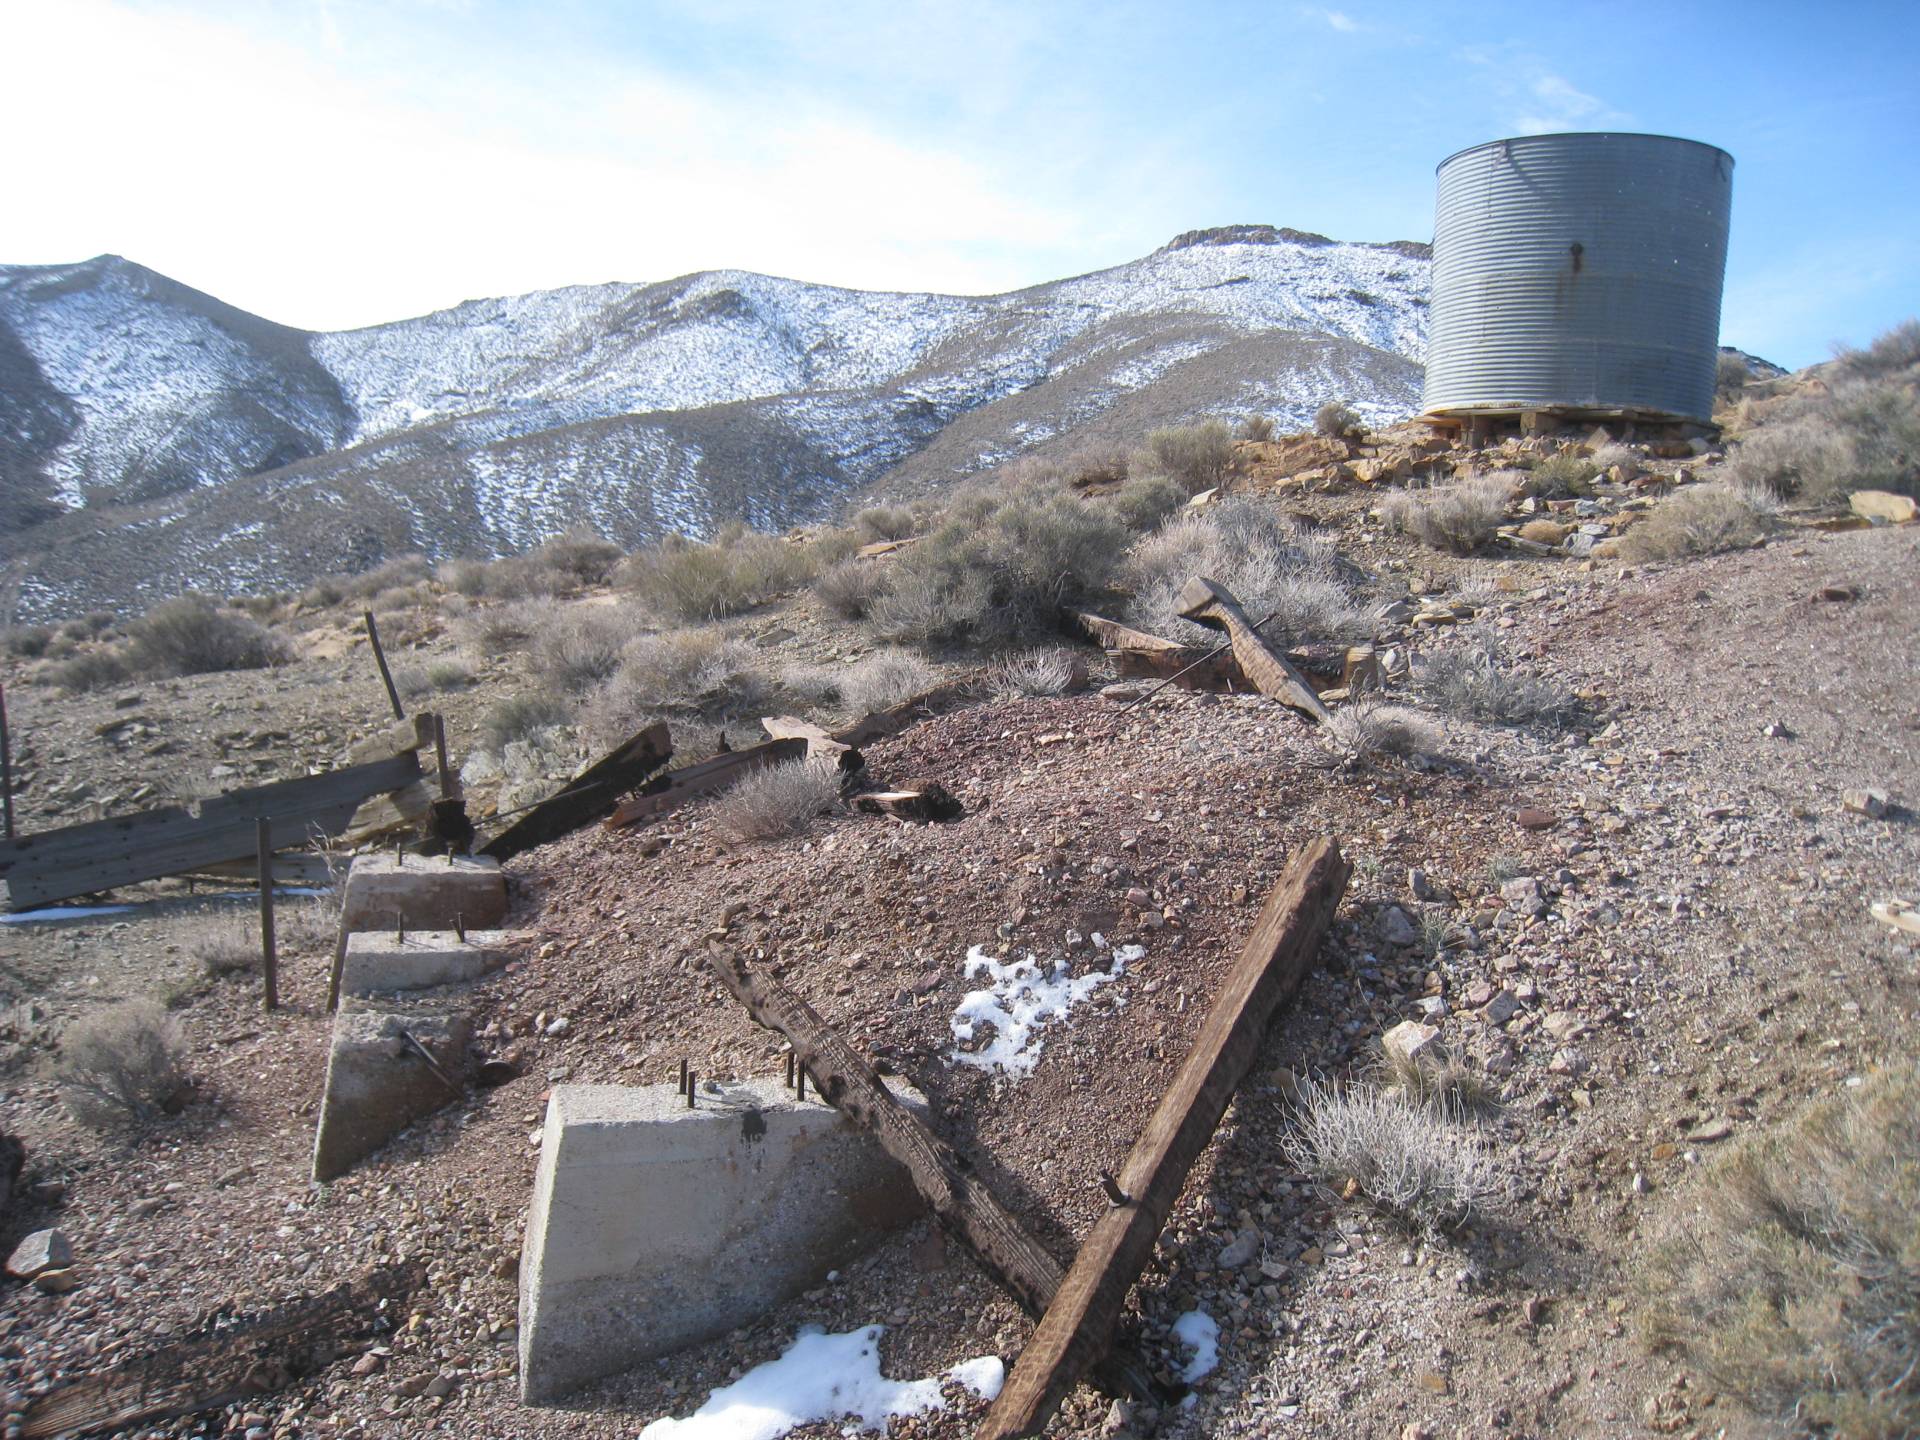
[(1368, 730), (884, 679), (1457, 518), (1474, 679), (777, 800), (1420, 1164), (121, 1067), (1036, 674), (1445, 1085), (1798, 1289), (1701, 520)]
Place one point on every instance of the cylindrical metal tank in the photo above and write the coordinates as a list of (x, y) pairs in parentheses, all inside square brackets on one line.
[(1578, 274)]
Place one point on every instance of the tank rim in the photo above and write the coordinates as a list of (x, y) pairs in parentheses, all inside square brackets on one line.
[(1583, 134)]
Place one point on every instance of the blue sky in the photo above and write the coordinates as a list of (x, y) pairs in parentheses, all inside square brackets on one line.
[(331, 163)]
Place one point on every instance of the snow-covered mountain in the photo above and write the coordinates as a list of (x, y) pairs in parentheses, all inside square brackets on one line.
[(152, 437)]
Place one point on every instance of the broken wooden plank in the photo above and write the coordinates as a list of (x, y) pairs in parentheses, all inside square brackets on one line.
[(175, 840), (671, 791), (820, 745), (413, 733), (592, 794), (290, 867), (232, 1363), (1076, 1328), (916, 800), (895, 718), (962, 1203), (1112, 635), (1207, 603), (401, 809)]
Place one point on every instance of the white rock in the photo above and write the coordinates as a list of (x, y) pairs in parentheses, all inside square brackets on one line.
[(42, 1250)]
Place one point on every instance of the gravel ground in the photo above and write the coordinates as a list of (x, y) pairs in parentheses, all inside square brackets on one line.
[(1692, 960)]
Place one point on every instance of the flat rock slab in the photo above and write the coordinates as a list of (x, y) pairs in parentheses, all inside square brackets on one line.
[(380, 961), (40, 1252), (378, 1083), (388, 891), (655, 1226)]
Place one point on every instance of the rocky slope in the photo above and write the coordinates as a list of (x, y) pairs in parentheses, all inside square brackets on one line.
[(152, 437)]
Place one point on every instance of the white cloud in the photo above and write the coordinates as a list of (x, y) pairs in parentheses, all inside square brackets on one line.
[(317, 193), (1346, 24), (1563, 107)]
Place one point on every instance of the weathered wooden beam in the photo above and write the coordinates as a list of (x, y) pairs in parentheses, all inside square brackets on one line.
[(916, 800), (1207, 603), (1075, 1331), (381, 815), (895, 718), (79, 860), (397, 738), (232, 1363), (269, 957), (380, 658), (1112, 635), (591, 795), (672, 790), (962, 1203), (820, 745)]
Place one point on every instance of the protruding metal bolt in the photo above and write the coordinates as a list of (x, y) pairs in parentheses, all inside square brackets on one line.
[(685, 1076), (1115, 1195), (690, 1084), (800, 1082), (400, 927), (789, 1070), (460, 925)]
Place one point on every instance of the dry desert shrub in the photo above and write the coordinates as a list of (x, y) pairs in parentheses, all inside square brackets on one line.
[(1336, 420), (1257, 427), (693, 581), (1730, 377), (1419, 1163), (1700, 520), (193, 636), (576, 647), (1366, 730), (777, 800), (520, 717), (1458, 518), (98, 669), (1037, 673), (1147, 499), (997, 566), (578, 557), (885, 522), (884, 679), (1272, 567), (704, 674), (1793, 457), (1475, 680), (1563, 477), (121, 1066), (27, 642), (1196, 456), (1799, 1287), (1444, 1085), (848, 588), (1896, 351)]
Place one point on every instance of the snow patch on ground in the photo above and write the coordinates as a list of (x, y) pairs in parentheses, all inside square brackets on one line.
[(822, 1377), (1198, 1331), (1020, 1001)]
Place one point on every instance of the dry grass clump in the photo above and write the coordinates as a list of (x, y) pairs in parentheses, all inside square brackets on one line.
[(1272, 566), (91, 670), (1444, 1085), (122, 1066), (1419, 1163), (521, 717), (1336, 420), (192, 636), (1563, 477), (1147, 499), (885, 679), (1896, 351), (1474, 679), (579, 646), (1457, 518), (997, 566), (1799, 1289), (1037, 673), (1700, 520), (848, 588), (685, 674), (885, 522), (579, 556), (26, 642), (1794, 457), (229, 943), (1197, 456), (691, 581), (1366, 730), (777, 800), (1257, 427)]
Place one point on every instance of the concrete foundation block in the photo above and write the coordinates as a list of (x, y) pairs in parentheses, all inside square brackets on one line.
[(388, 891), (380, 961), (378, 1083), (655, 1226)]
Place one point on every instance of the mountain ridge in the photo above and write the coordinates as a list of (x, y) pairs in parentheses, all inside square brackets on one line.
[(157, 437)]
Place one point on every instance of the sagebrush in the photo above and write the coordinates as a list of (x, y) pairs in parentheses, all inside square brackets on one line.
[(1419, 1163), (123, 1066), (1458, 518), (777, 800), (1474, 678), (1700, 520)]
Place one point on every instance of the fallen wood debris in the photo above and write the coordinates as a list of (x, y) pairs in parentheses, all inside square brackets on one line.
[(670, 791), (1207, 603), (1075, 1331), (896, 718), (1137, 655), (77, 860), (960, 1200), (231, 1362), (820, 745), (591, 795), (916, 800)]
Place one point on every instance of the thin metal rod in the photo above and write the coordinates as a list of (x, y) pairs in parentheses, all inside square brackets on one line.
[(269, 960), (432, 1064), (1214, 653), (380, 659), (799, 1082), (690, 1084), (6, 764), (683, 1075), (449, 782)]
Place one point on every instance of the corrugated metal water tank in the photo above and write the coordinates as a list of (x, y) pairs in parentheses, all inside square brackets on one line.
[(1578, 273)]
